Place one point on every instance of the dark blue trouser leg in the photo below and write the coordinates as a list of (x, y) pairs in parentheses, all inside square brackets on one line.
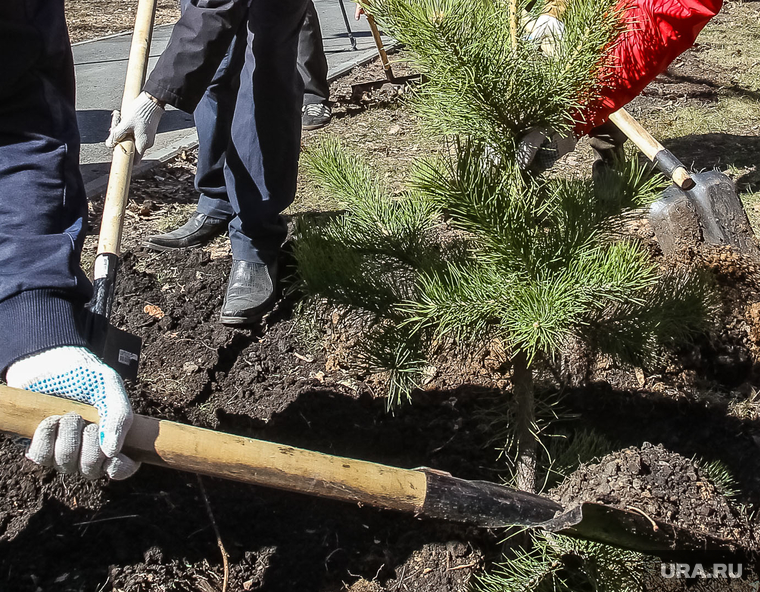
[(262, 160), (43, 208), (213, 120)]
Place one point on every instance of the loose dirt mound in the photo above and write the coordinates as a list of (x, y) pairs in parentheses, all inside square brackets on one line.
[(664, 485)]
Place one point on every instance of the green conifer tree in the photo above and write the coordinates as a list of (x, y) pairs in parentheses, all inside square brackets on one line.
[(478, 249)]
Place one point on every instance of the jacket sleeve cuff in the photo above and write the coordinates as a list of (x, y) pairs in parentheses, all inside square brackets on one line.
[(36, 320)]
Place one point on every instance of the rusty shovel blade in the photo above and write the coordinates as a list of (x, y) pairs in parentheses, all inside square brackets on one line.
[(710, 213)]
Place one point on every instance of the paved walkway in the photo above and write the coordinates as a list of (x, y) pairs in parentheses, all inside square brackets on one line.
[(101, 68)]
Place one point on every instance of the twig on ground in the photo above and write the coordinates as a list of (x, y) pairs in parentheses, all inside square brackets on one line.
[(645, 515), (225, 560), (465, 566)]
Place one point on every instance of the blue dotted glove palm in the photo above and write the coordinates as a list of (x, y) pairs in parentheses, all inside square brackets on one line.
[(67, 442)]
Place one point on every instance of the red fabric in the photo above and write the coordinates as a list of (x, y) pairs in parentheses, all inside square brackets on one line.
[(657, 31)]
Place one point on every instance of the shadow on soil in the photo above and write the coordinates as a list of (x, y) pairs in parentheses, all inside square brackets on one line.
[(157, 521), (708, 151)]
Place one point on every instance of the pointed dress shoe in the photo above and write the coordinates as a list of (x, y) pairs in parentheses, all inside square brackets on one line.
[(197, 231), (251, 292)]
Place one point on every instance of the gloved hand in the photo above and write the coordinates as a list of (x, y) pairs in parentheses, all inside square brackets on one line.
[(139, 120), (65, 442), (545, 31), (540, 148)]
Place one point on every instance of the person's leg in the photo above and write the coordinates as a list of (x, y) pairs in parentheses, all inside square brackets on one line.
[(312, 66), (262, 160), (43, 207), (213, 120)]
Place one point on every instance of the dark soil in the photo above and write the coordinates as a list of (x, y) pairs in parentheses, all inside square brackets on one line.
[(287, 380), (661, 484)]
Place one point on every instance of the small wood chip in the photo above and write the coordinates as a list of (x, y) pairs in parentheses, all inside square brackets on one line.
[(640, 378)]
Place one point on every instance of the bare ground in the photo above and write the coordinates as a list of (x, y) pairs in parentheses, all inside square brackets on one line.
[(289, 380)]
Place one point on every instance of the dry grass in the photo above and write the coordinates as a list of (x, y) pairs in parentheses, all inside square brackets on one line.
[(88, 19)]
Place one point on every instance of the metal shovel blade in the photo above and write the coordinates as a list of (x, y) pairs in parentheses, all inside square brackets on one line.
[(710, 213), (117, 348), (359, 89)]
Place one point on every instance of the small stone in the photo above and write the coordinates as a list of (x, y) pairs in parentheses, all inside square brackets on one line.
[(190, 367)]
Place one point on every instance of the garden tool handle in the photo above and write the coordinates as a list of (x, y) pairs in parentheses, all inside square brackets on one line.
[(380, 47), (123, 154), (654, 151), (189, 448)]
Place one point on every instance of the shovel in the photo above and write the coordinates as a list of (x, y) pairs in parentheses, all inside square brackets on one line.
[(358, 90), (117, 348), (699, 208), (351, 37), (423, 492)]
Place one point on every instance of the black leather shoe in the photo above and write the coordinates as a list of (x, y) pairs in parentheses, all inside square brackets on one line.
[(251, 291), (197, 231)]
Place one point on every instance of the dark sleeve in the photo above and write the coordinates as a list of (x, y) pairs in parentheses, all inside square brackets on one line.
[(197, 46)]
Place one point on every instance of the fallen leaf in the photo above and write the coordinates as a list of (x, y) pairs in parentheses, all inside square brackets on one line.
[(154, 311)]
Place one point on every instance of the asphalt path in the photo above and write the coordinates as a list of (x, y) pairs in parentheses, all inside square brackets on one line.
[(101, 66)]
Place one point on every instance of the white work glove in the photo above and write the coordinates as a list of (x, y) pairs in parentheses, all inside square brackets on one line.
[(140, 121), (66, 442), (540, 148), (545, 31)]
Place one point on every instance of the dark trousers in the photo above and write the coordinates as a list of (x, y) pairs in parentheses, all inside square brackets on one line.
[(249, 131), (43, 208), (312, 63)]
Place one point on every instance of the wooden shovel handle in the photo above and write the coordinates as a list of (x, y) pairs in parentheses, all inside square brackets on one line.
[(651, 148), (380, 46), (217, 454), (124, 152)]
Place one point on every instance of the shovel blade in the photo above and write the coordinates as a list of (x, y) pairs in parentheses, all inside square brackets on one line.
[(635, 531), (117, 348), (121, 351), (710, 213), (358, 89)]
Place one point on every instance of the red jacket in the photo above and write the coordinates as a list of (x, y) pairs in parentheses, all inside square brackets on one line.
[(657, 31)]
